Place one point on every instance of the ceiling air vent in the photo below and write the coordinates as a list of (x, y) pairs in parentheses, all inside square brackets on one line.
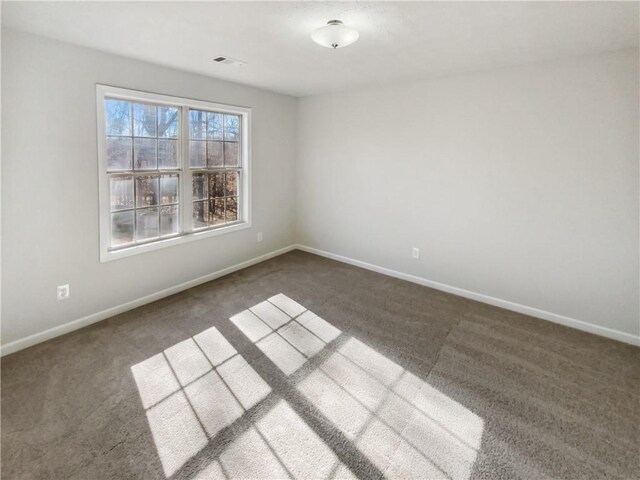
[(228, 60)]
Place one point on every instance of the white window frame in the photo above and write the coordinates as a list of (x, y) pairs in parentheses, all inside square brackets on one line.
[(186, 233)]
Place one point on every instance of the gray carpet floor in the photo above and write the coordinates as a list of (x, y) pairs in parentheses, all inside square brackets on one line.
[(302, 367)]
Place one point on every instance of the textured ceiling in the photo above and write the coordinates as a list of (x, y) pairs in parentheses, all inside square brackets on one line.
[(399, 41)]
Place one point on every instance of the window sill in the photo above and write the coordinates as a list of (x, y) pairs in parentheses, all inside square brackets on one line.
[(109, 255)]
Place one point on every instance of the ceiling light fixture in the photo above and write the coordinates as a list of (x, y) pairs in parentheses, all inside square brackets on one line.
[(334, 35)]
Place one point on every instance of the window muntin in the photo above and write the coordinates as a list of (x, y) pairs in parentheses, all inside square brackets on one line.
[(170, 167)]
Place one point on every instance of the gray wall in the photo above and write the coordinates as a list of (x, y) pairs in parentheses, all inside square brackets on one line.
[(50, 180), (520, 184)]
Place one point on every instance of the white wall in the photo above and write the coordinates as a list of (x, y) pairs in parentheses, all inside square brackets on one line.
[(520, 184), (50, 180)]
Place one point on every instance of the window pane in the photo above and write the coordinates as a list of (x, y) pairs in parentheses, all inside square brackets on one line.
[(118, 117), (197, 153), (169, 189), (121, 193), (232, 209), (167, 154), (144, 120), (147, 224), (200, 191), (231, 127), (214, 154), (118, 154), (232, 184), (200, 214), (169, 220), (145, 153), (146, 191), (218, 211), (216, 184), (230, 154), (168, 121), (197, 125), (214, 126), (121, 228)]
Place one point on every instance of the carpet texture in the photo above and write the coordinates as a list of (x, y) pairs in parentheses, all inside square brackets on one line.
[(303, 367)]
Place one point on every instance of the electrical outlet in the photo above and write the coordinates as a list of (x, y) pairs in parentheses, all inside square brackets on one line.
[(63, 292), (259, 236), (416, 252)]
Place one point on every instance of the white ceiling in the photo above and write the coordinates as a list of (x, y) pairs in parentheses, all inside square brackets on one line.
[(399, 41)]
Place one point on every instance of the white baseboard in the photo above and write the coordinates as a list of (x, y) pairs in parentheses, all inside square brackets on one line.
[(110, 312), (516, 307)]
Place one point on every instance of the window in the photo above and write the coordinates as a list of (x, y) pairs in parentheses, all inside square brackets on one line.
[(214, 158), (171, 170)]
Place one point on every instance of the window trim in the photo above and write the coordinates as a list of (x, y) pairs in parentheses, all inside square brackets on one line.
[(185, 172)]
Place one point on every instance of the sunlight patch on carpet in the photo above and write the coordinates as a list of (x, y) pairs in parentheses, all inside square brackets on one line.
[(201, 388), (193, 390)]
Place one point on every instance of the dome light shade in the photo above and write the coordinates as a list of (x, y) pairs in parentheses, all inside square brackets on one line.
[(334, 35)]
